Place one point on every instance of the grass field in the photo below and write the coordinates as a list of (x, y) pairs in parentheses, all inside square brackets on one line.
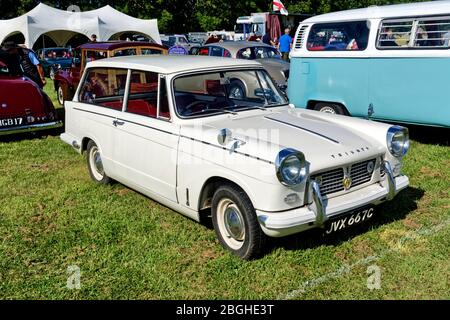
[(129, 247)]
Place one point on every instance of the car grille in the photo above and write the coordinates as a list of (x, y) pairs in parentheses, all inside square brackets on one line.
[(331, 181)]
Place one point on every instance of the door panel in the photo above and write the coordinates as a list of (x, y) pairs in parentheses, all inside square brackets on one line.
[(147, 153), (410, 89)]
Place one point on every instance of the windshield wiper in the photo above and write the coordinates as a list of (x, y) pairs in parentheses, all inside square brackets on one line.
[(249, 107), (214, 110)]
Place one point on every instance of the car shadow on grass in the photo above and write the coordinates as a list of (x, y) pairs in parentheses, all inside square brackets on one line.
[(31, 135), (397, 209), (429, 135)]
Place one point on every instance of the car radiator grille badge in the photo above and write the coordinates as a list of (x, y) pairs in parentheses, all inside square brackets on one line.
[(347, 182)]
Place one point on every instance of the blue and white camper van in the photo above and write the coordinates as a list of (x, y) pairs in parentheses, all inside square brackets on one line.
[(390, 63)]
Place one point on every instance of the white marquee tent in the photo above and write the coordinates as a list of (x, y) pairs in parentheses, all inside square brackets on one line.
[(106, 22)]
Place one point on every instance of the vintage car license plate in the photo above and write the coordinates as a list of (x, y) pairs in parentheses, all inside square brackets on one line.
[(349, 219), (11, 122)]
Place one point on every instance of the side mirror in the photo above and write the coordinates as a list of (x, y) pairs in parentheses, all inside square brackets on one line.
[(282, 87), (224, 136)]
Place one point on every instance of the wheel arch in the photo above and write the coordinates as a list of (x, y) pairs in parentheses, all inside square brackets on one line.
[(311, 104), (208, 189)]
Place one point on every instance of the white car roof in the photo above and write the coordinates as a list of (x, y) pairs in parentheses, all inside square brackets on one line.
[(166, 64), (390, 11)]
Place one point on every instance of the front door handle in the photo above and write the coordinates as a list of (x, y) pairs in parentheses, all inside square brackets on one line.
[(118, 123)]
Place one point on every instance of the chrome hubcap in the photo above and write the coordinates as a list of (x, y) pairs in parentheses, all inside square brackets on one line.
[(60, 95), (236, 93), (231, 223), (328, 110), (96, 163)]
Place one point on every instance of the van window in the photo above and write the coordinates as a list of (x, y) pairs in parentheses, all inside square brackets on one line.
[(104, 87), (143, 96), (432, 33), (419, 33), (395, 33), (338, 36)]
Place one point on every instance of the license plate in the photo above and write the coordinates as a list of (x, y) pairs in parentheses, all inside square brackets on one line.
[(11, 122), (349, 219)]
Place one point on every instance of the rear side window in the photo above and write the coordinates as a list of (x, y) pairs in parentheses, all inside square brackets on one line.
[(418, 33), (149, 51), (104, 87), (339, 36), (143, 96), (125, 52)]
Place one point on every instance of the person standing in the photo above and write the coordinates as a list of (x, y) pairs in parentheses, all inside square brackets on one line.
[(29, 62), (285, 44)]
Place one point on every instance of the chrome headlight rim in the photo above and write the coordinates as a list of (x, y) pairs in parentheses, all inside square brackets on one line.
[(283, 157), (392, 133)]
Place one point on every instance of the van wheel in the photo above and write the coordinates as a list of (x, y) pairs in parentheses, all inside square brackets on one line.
[(60, 94), (95, 164), (235, 222), (237, 90), (327, 107)]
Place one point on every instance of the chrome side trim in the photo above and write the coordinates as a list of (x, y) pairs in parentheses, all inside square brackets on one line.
[(390, 180)]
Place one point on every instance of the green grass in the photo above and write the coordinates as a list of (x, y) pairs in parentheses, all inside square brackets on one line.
[(129, 247), (49, 89)]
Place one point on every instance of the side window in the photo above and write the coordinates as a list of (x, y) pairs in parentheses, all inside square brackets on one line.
[(143, 96), (432, 33), (216, 52), (104, 87), (339, 36), (163, 100), (92, 55), (125, 52), (149, 51), (246, 53), (395, 33)]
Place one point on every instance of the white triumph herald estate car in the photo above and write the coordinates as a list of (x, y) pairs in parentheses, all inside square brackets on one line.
[(171, 128)]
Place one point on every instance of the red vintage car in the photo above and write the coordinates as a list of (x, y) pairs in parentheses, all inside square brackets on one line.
[(24, 107), (66, 81)]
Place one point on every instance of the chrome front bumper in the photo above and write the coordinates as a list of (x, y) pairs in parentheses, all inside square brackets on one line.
[(279, 224), (31, 128)]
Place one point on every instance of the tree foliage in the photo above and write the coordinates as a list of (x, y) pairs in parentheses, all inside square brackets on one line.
[(193, 15)]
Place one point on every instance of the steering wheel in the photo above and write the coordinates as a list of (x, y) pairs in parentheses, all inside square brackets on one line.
[(200, 104)]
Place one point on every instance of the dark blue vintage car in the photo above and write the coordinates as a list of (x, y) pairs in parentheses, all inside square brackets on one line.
[(53, 59)]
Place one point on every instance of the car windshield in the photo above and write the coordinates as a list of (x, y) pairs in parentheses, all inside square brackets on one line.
[(224, 92), (243, 28), (56, 53)]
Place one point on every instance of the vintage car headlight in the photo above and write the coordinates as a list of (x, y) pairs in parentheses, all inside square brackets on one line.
[(290, 167), (397, 139)]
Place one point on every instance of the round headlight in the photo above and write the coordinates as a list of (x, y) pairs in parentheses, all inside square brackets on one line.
[(398, 141), (290, 167)]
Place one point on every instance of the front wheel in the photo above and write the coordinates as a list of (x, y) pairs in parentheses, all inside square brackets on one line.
[(60, 93), (327, 107), (95, 164), (235, 222)]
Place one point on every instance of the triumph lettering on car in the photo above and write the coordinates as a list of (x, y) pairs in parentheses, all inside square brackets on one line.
[(215, 138)]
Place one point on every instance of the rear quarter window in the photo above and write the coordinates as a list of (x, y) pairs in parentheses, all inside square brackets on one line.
[(104, 87)]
